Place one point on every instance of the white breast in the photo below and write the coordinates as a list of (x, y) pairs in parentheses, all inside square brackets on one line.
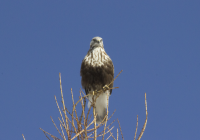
[(96, 57)]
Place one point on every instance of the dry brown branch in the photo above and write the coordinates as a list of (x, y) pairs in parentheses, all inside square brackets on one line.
[(111, 133), (111, 123), (84, 96), (136, 128), (117, 134), (63, 135), (88, 116), (80, 118), (73, 112), (77, 121), (106, 128), (106, 87), (48, 134), (59, 109), (23, 136), (80, 130), (144, 126), (68, 112), (109, 136), (71, 131), (94, 114), (56, 127), (67, 124), (120, 129), (68, 117), (101, 134), (83, 107), (116, 77), (83, 114), (112, 114)]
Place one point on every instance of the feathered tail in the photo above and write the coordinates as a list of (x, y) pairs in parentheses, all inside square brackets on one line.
[(101, 106)]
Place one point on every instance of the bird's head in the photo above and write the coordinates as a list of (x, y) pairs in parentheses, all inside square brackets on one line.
[(96, 42)]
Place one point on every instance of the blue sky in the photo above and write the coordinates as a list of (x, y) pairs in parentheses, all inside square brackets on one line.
[(156, 43)]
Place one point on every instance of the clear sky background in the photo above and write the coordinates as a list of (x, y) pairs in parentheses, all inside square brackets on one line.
[(155, 43)]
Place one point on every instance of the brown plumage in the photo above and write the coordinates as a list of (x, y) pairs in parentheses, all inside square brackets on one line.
[(96, 77), (97, 70)]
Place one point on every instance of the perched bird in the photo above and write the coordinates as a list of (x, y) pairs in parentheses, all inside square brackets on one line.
[(97, 71)]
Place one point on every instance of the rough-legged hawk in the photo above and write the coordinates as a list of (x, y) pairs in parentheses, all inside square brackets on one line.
[(97, 70)]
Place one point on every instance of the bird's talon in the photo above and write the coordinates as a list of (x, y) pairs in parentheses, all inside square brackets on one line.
[(105, 88)]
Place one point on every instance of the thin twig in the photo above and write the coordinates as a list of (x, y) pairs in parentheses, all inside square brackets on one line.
[(95, 121), (68, 112), (106, 128), (109, 136), (115, 77), (23, 136), (67, 124), (62, 132), (63, 136), (56, 127), (117, 134), (77, 121), (100, 91), (48, 134), (73, 112), (136, 128), (92, 129), (59, 109), (102, 134), (111, 133), (80, 118), (144, 126), (83, 114), (88, 115), (82, 130), (112, 114), (120, 129)]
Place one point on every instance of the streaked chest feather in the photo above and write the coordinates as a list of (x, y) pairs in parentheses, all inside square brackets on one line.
[(96, 57)]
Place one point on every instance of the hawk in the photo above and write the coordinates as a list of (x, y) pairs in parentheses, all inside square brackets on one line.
[(97, 70)]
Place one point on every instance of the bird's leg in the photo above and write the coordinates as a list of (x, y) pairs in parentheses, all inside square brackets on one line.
[(105, 88)]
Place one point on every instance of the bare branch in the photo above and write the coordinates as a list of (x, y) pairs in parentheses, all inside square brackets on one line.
[(136, 128), (23, 136), (120, 129), (56, 128), (117, 134), (144, 126), (67, 124)]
